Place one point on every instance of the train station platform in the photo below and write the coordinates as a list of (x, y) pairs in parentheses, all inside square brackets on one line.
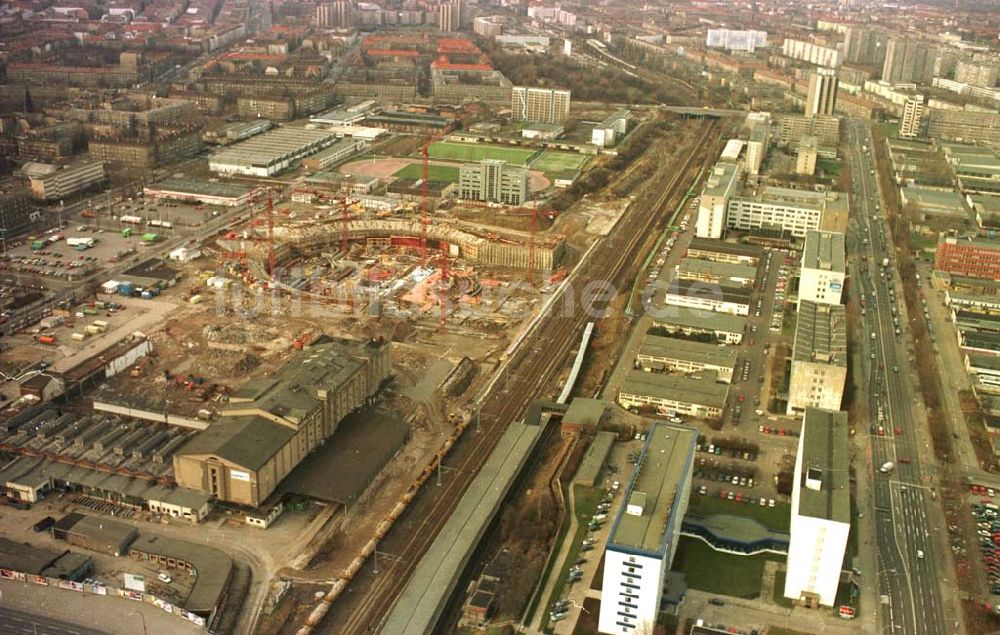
[(419, 607)]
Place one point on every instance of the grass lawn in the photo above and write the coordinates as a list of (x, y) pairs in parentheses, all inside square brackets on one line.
[(919, 242), (715, 572), (830, 167), (586, 500), (475, 152), (415, 171), (776, 518), (889, 129), (779, 591), (790, 318), (552, 162)]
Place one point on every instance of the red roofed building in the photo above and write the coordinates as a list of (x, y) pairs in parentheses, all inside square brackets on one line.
[(442, 64), (392, 52), (456, 45), (249, 57)]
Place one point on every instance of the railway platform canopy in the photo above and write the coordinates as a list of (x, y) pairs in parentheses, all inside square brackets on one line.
[(419, 606)]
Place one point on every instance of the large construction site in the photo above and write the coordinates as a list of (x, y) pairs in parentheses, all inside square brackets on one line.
[(303, 344)]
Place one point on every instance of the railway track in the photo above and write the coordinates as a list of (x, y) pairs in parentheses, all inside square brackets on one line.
[(532, 368)]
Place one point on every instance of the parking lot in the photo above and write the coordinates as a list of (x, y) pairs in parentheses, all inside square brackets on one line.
[(51, 258)]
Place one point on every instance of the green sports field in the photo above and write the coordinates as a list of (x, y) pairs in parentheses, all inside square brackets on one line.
[(552, 162), (444, 173), (476, 152)]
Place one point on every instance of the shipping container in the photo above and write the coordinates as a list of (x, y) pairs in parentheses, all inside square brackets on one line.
[(47, 339), (150, 238), (87, 310), (195, 299), (127, 232), (38, 244), (125, 288), (101, 323), (79, 337), (93, 330), (51, 322)]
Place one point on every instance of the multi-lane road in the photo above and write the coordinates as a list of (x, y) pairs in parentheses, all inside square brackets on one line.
[(14, 622), (909, 565)]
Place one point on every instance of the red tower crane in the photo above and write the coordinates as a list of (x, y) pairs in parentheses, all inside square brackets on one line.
[(531, 245), (424, 204), (270, 234), (443, 287), (345, 218)]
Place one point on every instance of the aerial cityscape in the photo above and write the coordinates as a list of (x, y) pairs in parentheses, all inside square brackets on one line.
[(499, 316)]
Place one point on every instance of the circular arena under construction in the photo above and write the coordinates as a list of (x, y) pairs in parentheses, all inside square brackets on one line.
[(405, 264)]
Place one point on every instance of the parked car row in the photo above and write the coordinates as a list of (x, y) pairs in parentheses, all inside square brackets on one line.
[(740, 497), (987, 516), (733, 453), (781, 432)]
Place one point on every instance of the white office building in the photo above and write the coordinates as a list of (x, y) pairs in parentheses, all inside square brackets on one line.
[(56, 182), (540, 105), (757, 147), (696, 294), (644, 536), (736, 40), (796, 211), (611, 130), (819, 358), (821, 509), (719, 188), (910, 126), (494, 181), (822, 96), (824, 268), (810, 52), (675, 355)]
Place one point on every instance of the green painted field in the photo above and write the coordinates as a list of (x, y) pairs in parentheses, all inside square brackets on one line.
[(476, 152), (552, 162), (415, 171)]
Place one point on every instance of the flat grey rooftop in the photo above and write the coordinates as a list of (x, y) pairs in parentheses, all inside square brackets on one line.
[(722, 179), (697, 289), (821, 334), (825, 456), (188, 185), (273, 146), (722, 247), (724, 271), (658, 347), (594, 459), (701, 389), (418, 608), (660, 477), (825, 251), (699, 319)]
